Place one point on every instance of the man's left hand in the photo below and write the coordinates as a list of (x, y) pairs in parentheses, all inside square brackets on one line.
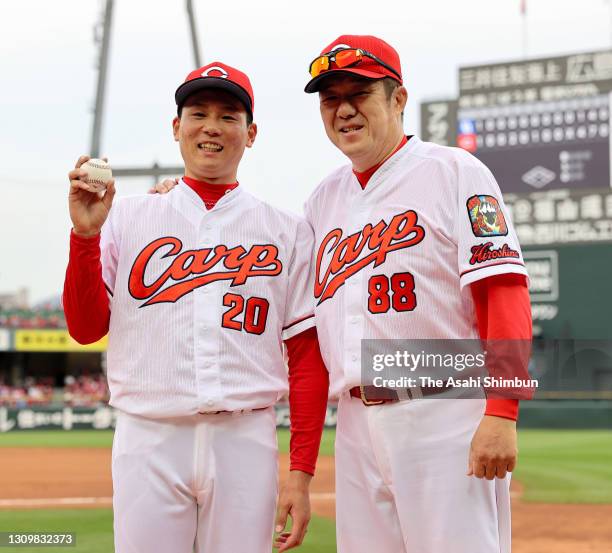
[(493, 451), (294, 501)]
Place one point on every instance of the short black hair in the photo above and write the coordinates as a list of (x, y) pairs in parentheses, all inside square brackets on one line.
[(249, 115), (390, 85)]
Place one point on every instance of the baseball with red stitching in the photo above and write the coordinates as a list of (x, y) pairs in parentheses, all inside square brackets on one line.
[(99, 174)]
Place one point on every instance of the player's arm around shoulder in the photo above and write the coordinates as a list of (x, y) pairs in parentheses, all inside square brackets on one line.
[(164, 186)]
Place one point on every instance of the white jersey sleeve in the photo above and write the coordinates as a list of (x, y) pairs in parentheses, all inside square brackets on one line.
[(109, 249), (299, 310), (487, 242)]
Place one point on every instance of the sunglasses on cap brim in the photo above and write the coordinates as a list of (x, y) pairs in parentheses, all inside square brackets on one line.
[(344, 58)]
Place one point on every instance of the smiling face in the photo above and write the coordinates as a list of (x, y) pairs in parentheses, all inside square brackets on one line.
[(360, 119), (212, 132)]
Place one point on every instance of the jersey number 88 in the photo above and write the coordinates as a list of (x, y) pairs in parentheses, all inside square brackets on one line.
[(397, 291)]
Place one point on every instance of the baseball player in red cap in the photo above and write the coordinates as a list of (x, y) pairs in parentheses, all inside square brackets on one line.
[(398, 233), (199, 289)]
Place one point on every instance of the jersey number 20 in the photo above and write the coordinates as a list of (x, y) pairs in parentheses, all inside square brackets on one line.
[(399, 293), (255, 314)]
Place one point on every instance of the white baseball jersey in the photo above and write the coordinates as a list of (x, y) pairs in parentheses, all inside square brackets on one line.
[(393, 260), (201, 301)]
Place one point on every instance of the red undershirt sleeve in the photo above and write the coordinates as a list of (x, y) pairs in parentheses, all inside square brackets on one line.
[(85, 299), (503, 311), (308, 389)]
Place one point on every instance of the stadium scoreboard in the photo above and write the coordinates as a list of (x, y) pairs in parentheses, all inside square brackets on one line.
[(538, 124)]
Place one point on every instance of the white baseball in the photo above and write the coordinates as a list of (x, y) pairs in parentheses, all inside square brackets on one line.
[(98, 174)]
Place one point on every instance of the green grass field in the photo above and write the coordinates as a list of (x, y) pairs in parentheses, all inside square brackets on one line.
[(554, 466), (565, 466), (93, 527), (57, 438), (104, 438), (94, 530)]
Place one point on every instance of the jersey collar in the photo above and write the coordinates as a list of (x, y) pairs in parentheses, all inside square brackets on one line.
[(227, 200), (388, 165)]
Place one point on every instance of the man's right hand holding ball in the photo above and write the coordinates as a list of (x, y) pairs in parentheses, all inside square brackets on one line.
[(88, 207)]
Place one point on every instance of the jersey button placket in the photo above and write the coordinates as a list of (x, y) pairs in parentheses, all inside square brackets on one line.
[(207, 317), (353, 315)]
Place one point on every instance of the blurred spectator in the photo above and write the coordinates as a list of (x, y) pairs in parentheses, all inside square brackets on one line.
[(44, 317), (85, 391), (82, 391)]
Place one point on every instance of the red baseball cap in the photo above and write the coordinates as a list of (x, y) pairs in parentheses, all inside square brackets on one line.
[(217, 75), (368, 68)]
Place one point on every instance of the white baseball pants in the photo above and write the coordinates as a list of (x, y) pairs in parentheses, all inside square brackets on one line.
[(401, 484), (203, 484)]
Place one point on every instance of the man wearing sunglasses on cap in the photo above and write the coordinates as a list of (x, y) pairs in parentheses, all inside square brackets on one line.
[(397, 233), (199, 289)]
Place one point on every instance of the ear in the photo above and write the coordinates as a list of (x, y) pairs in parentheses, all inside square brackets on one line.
[(176, 123), (400, 98), (251, 133)]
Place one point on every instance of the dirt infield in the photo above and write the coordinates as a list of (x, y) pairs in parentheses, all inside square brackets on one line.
[(56, 478)]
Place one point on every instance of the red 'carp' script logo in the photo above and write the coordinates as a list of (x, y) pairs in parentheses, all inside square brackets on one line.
[(259, 260), (345, 253)]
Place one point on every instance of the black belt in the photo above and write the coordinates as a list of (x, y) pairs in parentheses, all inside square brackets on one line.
[(373, 395)]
